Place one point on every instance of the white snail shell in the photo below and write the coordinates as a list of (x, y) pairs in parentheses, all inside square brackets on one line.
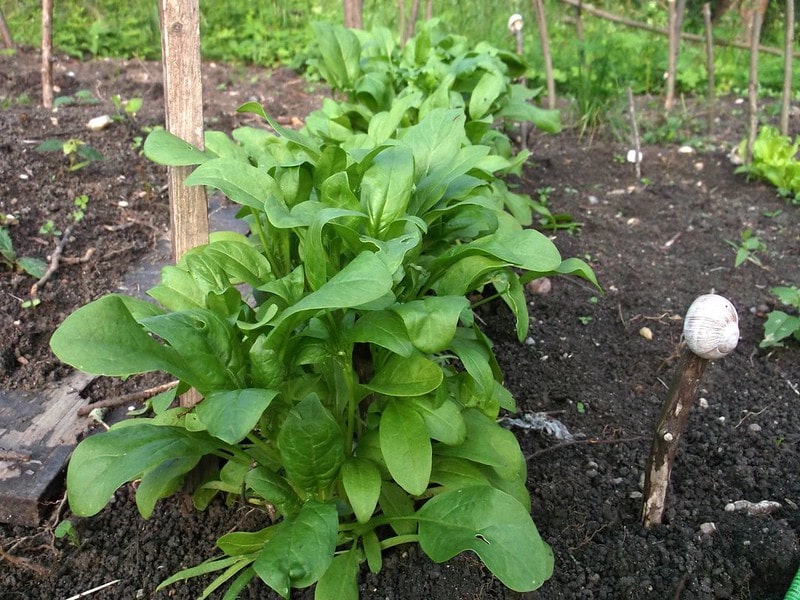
[(711, 327)]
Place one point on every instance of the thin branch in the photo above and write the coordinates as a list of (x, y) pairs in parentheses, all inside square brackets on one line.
[(55, 260), (127, 398)]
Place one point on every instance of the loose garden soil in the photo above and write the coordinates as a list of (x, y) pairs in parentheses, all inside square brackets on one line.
[(655, 246)]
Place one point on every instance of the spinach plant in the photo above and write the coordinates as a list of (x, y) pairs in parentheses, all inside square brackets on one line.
[(8, 257), (347, 388), (78, 153), (780, 325)]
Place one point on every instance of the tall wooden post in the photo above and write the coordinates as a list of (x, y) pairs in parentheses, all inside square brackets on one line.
[(47, 51), (788, 42), (541, 20), (183, 105)]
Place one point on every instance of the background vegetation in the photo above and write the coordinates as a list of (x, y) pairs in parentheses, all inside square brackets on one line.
[(279, 31)]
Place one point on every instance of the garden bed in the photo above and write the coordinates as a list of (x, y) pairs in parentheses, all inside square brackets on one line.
[(654, 248)]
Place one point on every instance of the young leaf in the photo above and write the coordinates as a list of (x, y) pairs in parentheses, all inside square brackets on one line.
[(32, 266), (274, 489), (301, 550), (162, 481), (164, 148), (432, 321), (494, 526), (340, 580), (230, 415), (241, 182), (382, 328), (406, 446), (489, 87), (341, 55), (412, 376), (311, 445), (444, 422), (386, 188), (362, 483)]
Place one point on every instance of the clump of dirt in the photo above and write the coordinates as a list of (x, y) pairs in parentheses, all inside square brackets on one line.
[(655, 245)]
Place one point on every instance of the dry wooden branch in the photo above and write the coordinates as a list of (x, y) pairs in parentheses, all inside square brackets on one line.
[(672, 55), (692, 37), (55, 260), (669, 430), (127, 398)]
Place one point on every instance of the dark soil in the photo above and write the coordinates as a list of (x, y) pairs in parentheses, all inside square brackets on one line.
[(654, 247)]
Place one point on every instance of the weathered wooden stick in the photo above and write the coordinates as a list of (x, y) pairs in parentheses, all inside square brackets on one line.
[(47, 52), (752, 86), (5, 32), (541, 21), (637, 146), (786, 98), (711, 331), (127, 398), (709, 63), (515, 24)]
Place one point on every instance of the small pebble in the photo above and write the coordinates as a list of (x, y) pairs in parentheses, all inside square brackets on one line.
[(646, 333), (703, 403), (754, 427), (635, 495), (708, 528), (529, 341)]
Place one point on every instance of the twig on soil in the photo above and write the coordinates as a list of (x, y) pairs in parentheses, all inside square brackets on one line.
[(93, 590), (593, 441), (23, 563), (127, 398), (55, 260), (77, 260)]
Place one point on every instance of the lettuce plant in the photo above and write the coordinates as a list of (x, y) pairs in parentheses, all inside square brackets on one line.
[(347, 388), (774, 161)]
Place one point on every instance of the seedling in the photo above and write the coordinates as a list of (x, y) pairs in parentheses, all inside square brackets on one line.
[(78, 153), (746, 249), (81, 97), (711, 331), (49, 228), (779, 325), (81, 202), (66, 529), (126, 108), (8, 257)]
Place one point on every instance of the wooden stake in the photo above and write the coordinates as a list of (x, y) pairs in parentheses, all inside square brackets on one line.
[(637, 146), (752, 86), (5, 32), (787, 67), (541, 21), (709, 64), (669, 430), (183, 104), (47, 53)]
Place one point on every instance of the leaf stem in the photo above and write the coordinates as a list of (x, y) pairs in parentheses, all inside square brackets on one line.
[(398, 540)]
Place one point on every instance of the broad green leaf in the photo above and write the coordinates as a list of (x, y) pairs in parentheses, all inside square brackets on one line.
[(435, 140), (484, 94), (432, 187), (467, 274), (102, 463), (364, 280), (384, 125), (456, 473), (178, 289), (386, 188), (274, 489), (207, 344), (241, 182), (317, 247), (406, 446), (231, 415), (476, 356), (241, 261), (487, 443), (362, 483), (384, 329), (162, 481), (103, 338), (340, 581), (311, 445), (219, 144), (524, 248), (443, 423), (301, 550), (576, 266), (32, 266), (507, 284), (787, 295), (341, 54), (432, 321), (494, 526), (411, 376), (266, 363), (164, 148)]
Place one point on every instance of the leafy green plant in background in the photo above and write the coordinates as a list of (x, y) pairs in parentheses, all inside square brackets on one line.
[(779, 324), (8, 257), (351, 390), (774, 161), (79, 154)]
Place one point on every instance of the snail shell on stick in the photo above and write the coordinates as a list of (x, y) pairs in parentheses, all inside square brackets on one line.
[(711, 327)]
